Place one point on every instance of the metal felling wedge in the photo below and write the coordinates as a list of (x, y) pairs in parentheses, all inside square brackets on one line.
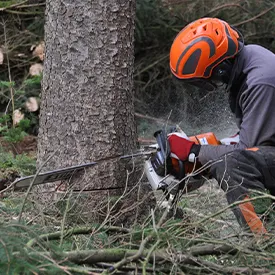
[(50, 176)]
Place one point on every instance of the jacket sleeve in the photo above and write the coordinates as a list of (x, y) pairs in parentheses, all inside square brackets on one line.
[(257, 125)]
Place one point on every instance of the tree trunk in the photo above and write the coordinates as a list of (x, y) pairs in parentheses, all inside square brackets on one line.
[(87, 108)]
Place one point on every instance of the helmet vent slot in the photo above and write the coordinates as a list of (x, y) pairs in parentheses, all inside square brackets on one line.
[(216, 30), (195, 32), (204, 27)]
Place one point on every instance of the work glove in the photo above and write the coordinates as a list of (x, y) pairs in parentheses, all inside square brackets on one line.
[(182, 148)]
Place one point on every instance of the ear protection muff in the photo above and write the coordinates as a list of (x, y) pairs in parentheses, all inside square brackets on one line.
[(222, 72)]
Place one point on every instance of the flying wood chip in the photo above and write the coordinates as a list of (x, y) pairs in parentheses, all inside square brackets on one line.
[(39, 50), (1, 56), (36, 69), (32, 104), (17, 116)]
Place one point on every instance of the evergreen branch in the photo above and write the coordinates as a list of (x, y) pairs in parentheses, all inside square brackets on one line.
[(253, 18), (7, 255), (14, 5), (229, 5), (136, 268)]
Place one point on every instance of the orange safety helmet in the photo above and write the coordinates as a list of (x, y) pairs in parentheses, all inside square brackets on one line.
[(201, 46)]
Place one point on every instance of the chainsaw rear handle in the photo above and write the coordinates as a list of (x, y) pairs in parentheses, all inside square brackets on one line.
[(161, 161), (161, 137)]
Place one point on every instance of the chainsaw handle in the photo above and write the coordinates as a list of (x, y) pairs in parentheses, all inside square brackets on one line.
[(164, 147), (162, 161), (159, 160)]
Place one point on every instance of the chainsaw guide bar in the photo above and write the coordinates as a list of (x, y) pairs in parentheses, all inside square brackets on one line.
[(50, 176), (67, 173)]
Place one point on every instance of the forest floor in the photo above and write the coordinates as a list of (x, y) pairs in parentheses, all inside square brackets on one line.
[(206, 224)]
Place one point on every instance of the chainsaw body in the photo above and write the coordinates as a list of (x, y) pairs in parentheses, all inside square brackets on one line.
[(158, 168)]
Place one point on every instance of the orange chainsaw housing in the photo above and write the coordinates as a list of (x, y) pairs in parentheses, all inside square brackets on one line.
[(201, 139), (205, 139)]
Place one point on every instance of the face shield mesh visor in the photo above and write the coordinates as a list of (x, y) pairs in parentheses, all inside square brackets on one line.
[(208, 85), (203, 84)]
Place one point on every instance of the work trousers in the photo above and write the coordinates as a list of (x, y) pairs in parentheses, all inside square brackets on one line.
[(241, 171)]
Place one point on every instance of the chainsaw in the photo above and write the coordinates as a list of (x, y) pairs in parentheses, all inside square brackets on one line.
[(188, 176), (161, 173), (158, 166)]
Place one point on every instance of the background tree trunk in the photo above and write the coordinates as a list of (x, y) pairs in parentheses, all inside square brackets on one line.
[(87, 108)]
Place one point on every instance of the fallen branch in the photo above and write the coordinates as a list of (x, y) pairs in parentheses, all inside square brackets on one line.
[(141, 251), (192, 211), (74, 231), (136, 268), (211, 249), (221, 269), (98, 255), (114, 255)]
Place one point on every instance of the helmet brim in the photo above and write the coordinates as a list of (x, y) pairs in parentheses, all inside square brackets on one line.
[(201, 83)]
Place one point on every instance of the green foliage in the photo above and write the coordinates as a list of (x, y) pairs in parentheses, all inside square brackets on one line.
[(13, 134), (4, 119), (22, 164), (7, 4), (29, 87), (15, 258), (7, 84), (32, 82), (3, 123), (22, 90)]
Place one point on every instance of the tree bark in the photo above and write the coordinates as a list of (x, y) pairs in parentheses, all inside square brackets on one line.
[(87, 108)]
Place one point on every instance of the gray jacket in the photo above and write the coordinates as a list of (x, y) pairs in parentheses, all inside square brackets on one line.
[(252, 100)]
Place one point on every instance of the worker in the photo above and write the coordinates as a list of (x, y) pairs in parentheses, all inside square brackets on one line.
[(209, 53)]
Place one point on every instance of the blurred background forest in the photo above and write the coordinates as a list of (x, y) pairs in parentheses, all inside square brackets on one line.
[(157, 97)]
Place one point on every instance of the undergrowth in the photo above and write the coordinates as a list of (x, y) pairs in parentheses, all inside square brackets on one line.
[(22, 164), (36, 246)]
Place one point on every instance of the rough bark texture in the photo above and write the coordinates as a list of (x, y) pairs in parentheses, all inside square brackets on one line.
[(87, 101), (87, 106)]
